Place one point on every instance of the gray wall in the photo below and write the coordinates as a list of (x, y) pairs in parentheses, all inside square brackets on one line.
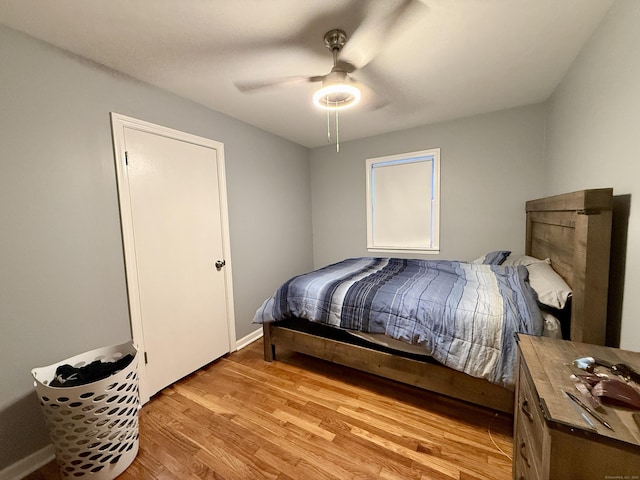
[(592, 136), (490, 165), (62, 283)]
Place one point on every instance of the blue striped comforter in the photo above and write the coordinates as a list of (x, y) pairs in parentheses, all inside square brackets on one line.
[(464, 315)]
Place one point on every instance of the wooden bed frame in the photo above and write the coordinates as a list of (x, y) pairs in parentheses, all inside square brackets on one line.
[(573, 230)]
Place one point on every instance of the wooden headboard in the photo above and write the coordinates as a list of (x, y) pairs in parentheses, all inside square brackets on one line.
[(574, 231)]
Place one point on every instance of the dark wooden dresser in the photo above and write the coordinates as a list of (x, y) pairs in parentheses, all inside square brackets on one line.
[(551, 438)]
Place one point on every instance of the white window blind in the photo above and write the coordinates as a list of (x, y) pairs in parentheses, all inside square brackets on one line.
[(403, 202)]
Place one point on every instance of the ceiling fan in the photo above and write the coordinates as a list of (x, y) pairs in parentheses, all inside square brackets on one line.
[(339, 88)]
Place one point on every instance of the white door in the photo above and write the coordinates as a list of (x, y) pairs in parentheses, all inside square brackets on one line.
[(175, 215)]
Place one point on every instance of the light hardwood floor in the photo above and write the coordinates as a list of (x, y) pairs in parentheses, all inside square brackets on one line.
[(243, 418)]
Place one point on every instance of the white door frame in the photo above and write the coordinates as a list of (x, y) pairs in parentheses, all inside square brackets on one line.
[(118, 125)]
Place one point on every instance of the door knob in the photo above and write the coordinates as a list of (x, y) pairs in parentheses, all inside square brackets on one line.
[(220, 264)]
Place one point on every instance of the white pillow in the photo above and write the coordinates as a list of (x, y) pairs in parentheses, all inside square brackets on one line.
[(523, 260), (551, 288)]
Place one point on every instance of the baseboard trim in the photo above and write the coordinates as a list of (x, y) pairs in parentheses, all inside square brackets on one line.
[(247, 340), (29, 464)]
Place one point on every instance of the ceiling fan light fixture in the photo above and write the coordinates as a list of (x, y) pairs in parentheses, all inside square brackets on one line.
[(337, 96)]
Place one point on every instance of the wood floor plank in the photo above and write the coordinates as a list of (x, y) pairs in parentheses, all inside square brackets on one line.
[(300, 469), (440, 469), (311, 427), (241, 418)]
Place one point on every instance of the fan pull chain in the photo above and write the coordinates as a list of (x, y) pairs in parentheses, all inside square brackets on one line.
[(329, 125), (337, 134)]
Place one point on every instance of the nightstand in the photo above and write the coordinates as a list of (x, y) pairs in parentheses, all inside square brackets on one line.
[(551, 439)]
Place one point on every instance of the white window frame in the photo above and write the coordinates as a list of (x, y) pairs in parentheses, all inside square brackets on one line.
[(425, 245)]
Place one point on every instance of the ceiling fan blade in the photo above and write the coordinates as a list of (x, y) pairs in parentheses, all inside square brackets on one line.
[(252, 86), (371, 97), (377, 30)]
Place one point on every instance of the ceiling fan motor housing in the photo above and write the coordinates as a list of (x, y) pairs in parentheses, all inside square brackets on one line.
[(342, 95), (337, 90)]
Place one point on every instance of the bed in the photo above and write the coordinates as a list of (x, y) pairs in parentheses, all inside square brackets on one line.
[(571, 230)]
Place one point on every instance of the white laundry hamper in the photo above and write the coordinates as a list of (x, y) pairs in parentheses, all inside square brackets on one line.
[(94, 427)]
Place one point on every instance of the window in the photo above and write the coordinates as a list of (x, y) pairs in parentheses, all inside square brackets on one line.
[(403, 202)]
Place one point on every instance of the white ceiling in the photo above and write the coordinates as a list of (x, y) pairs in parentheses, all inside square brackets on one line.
[(450, 59)]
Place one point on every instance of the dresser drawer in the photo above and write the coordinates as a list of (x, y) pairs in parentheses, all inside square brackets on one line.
[(530, 427), (525, 466)]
